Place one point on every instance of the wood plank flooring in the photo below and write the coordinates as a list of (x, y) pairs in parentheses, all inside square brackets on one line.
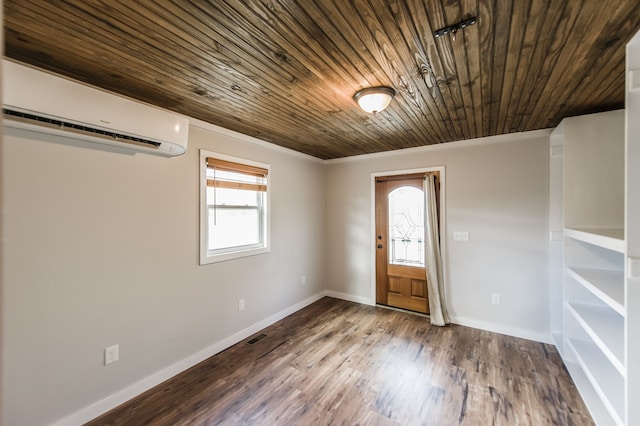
[(337, 362)]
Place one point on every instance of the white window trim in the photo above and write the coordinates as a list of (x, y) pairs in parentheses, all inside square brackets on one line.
[(205, 257)]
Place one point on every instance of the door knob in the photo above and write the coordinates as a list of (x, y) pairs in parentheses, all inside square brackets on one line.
[(379, 246)]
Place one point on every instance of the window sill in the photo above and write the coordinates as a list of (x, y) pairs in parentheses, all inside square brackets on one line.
[(222, 257)]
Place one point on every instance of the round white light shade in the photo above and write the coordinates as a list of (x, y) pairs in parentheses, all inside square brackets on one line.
[(374, 99)]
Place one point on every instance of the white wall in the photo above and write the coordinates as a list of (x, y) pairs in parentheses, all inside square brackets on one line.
[(101, 248), (497, 189), (594, 139)]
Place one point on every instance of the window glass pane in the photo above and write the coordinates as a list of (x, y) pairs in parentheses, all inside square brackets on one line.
[(406, 226), (233, 197), (230, 227)]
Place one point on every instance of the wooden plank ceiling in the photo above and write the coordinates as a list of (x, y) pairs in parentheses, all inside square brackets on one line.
[(285, 71)]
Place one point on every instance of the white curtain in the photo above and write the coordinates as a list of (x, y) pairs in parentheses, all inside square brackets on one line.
[(433, 259)]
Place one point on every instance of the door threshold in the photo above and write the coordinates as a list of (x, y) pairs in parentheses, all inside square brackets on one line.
[(392, 308)]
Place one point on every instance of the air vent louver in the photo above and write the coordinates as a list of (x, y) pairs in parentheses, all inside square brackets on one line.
[(78, 127), (256, 339)]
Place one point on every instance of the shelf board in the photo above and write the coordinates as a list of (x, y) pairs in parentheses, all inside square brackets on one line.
[(606, 328), (596, 406), (609, 238), (608, 384), (607, 286)]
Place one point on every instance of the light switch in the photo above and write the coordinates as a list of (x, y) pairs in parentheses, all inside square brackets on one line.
[(111, 354), (460, 236)]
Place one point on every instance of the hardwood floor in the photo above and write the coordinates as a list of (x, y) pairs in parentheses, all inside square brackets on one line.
[(337, 362)]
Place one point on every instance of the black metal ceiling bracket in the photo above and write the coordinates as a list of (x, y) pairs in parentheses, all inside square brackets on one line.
[(453, 29)]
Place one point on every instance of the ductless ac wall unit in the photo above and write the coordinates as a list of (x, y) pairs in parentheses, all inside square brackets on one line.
[(42, 102)]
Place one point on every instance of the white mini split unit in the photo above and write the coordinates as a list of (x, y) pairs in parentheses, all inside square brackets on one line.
[(45, 103)]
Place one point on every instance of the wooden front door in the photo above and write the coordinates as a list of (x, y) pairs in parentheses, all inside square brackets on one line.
[(400, 272)]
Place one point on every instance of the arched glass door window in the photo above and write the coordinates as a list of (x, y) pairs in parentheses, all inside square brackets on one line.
[(406, 226)]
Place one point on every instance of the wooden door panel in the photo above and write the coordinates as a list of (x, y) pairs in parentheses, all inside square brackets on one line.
[(419, 288), (408, 293), (395, 285)]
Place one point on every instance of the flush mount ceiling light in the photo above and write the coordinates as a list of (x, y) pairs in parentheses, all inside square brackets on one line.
[(374, 99)]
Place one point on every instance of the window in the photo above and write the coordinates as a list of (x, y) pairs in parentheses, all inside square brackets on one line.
[(406, 226), (233, 207)]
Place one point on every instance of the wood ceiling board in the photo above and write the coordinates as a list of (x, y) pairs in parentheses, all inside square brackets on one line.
[(285, 71)]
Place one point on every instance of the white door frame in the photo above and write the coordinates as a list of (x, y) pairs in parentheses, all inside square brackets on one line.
[(443, 216)]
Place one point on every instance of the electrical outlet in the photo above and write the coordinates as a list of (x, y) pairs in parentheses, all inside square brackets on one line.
[(460, 236), (495, 298), (240, 305), (303, 280), (111, 355)]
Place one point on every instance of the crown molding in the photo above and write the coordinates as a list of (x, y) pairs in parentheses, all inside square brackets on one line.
[(250, 139), (509, 137)]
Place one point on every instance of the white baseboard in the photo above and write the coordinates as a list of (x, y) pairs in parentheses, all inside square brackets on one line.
[(350, 297), (100, 407), (496, 328), (467, 322)]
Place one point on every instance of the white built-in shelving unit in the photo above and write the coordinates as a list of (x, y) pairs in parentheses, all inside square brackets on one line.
[(594, 319), (595, 313)]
